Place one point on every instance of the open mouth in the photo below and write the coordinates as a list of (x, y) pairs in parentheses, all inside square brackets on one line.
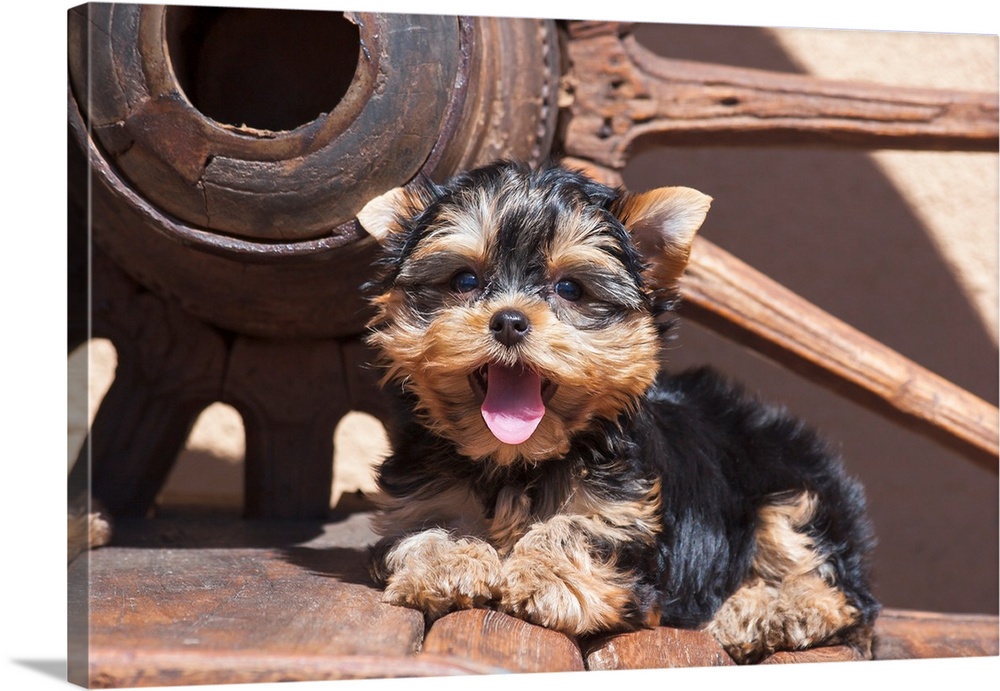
[(513, 400)]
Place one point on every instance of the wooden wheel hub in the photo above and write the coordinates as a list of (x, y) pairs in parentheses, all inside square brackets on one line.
[(231, 166)]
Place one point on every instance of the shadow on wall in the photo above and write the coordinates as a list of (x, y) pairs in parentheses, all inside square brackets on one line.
[(832, 227)]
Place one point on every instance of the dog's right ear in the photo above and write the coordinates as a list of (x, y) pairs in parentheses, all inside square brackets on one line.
[(663, 223), (382, 216)]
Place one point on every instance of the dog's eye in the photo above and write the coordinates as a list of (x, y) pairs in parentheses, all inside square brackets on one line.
[(464, 282), (569, 290)]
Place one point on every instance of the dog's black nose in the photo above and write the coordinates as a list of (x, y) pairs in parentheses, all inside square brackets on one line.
[(509, 326)]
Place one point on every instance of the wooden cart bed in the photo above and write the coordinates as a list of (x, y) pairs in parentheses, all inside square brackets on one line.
[(208, 600)]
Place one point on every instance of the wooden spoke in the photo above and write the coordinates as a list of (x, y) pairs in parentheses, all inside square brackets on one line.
[(732, 298), (622, 98)]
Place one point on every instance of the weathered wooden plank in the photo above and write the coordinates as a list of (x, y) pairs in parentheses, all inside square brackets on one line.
[(237, 599), (899, 634), (831, 653), (495, 639), (907, 634), (206, 600), (732, 298), (114, 668), (623, 98), (177, 602), (656, 648)]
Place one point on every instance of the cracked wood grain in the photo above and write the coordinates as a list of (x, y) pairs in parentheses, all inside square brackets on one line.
[(622, 98), (492, 638), (657, 647)]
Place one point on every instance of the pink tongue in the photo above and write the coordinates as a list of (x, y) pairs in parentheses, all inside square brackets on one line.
[(513, 406)]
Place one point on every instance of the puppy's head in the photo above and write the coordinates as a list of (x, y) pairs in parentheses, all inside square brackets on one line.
[(520, 306)]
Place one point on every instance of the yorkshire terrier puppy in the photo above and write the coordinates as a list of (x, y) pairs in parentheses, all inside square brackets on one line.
[(546, 467)]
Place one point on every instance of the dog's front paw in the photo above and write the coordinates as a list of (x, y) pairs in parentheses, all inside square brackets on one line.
[(556, 594), (437, 573), (533, 593)]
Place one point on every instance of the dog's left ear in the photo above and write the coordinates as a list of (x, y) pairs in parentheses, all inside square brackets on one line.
[(663, 223), (381, 216)]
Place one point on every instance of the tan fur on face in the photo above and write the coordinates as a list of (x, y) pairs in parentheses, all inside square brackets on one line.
[(578, 247), (468, 229), (598, 373), (788, 602)]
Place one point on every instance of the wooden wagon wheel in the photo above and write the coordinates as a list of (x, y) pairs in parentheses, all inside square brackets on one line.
[(245, 235), (244, 231)]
